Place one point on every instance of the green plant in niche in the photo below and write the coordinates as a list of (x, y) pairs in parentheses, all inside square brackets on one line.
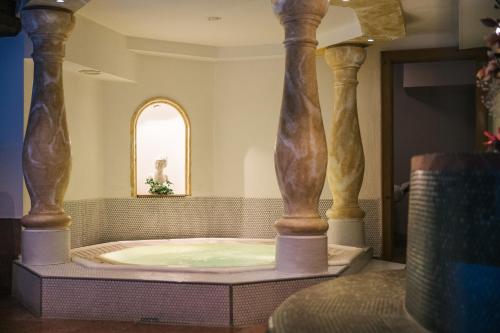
[(155, 187)]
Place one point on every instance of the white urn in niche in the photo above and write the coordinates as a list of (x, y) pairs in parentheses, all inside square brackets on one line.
[(159, 183), (160, 165)]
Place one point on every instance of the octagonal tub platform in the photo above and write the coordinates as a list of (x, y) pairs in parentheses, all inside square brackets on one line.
[(203, 281)]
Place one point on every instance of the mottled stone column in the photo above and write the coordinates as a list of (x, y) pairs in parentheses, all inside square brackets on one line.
[(346, 160), (46, 153), (301, 152)]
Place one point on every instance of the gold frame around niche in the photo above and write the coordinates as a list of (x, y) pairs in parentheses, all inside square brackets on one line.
[(133, 145)]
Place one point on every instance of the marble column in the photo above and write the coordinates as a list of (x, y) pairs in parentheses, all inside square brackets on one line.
[(301, 151), (46, 152), (346, 160)]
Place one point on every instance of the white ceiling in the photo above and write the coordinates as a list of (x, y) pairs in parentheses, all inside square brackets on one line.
[(248, 22), (454, 17), (471, 33), (244, 22), (430, 16)]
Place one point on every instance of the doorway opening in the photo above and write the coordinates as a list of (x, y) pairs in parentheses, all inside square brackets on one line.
[(429, 104)]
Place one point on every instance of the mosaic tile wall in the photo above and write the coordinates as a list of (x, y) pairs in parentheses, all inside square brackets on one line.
[(252, 302), (453, 243), (104, 220), (193, 303), (178, 303)]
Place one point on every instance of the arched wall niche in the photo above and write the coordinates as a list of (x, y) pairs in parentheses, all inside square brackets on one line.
[(160, 130)]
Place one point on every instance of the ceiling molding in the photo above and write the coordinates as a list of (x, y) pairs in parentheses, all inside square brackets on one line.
[(100, 75), (202, 52), (242, 23), (258, 52), (354, 21), (171, 49)]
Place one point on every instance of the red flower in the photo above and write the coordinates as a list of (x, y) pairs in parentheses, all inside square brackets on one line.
[(492, 40), (481, 74), (492, 138)]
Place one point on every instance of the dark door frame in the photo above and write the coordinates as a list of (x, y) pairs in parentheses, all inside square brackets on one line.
[(388, 59)]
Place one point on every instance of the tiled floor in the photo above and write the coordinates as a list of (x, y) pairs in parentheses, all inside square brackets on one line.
[(15, 319), (376, 265)]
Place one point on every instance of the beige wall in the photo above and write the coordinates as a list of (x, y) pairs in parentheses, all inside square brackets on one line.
[(83, 97), (234, 110), (187, 82), (246, 110), (369, 110), (91, 45), (247, 102), (233, 106), (100, 110)]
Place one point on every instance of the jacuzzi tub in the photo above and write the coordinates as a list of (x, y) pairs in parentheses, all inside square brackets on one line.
[(215, 255), (93, 288)]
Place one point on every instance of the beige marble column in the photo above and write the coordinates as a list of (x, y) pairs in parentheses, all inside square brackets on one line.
[(346, 161), (301, 152), (46, 153)]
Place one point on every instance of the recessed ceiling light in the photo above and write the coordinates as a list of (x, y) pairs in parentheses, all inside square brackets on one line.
[(214, 18), (89, 71), (60, 1), (371, 40)]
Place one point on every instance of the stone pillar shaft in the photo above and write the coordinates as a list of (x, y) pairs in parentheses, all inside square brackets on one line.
[(346, 161), (301, 151), (46, 152)]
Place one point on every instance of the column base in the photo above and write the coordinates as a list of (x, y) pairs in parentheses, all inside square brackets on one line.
[(45, 247), (348, 232), (301, 254)]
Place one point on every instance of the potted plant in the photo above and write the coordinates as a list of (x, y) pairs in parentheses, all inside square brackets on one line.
[(159, 188)]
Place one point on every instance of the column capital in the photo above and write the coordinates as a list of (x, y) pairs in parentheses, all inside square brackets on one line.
[(345, 56), (300, 8), (48, 29), (300, 19)]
